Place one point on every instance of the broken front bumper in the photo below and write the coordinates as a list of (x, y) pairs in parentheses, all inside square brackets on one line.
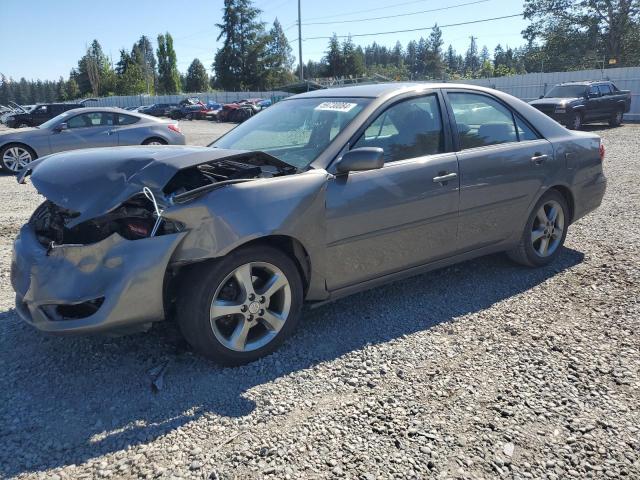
[(107, 285)]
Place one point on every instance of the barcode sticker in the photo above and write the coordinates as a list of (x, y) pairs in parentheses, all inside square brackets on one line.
[(336, 106)]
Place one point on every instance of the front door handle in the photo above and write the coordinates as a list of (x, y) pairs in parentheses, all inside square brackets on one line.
[(444, 178), (539, 159)]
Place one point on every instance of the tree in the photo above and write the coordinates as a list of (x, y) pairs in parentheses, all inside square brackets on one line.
[(196, 79), (434, 67), (278, 57), (604, 27), (239, 63), (352, 59), (411, 59), (471, 59), (94, 71), (168, 76), (142, 50), (130, 75), (333, 58)]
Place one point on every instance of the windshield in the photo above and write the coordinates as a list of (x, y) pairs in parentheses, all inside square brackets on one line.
[(54, 120), (294, 131), (566, 91)]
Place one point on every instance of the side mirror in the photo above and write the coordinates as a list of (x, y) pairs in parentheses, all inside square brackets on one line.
[(360, 159), (541, 97), (61, 127)]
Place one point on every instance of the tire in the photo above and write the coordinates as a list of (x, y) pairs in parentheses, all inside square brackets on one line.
[(616, 119), (154, 141), (575, 121), (529, 252), (220, 339), (23, 125), (14, 150)]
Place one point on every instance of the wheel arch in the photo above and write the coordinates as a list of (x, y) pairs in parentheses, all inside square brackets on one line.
[(288, 245), (154, 137), (568, 196)]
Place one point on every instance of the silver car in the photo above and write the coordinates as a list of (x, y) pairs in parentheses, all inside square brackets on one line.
[(84, 128), (321, 195)]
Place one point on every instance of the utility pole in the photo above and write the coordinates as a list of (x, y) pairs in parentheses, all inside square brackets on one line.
[(300, 41)]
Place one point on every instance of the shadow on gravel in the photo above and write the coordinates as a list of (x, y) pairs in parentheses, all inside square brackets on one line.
[(72, 399)]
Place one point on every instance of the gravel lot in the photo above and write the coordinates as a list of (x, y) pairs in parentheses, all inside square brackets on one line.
[(481, 370)]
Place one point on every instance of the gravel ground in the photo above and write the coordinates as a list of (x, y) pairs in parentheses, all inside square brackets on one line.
[(480, 370)]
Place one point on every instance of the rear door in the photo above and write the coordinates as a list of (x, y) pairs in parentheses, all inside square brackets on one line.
[(608, 100), (503, 165), (595, 106), (404, 214), (86, 130)]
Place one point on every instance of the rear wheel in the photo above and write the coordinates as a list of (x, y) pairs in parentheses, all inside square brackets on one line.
[(154, 141), (616, 119), (241, 307), (15, 157), (544, 233)]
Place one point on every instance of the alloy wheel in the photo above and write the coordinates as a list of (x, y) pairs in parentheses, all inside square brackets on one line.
[(16, 158), (250, 306), (577, 122), (548, 228)]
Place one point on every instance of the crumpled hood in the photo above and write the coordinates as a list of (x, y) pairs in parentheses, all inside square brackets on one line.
[(553, 101), (93, 182)]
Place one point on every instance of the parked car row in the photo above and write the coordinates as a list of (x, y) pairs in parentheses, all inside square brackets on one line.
[(574, 104), (193, 108)]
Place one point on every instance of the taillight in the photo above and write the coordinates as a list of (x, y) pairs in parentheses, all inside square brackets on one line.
[(602, 151), (175, 127)]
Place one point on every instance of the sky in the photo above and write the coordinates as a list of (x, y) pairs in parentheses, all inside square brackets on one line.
[(43, 39)]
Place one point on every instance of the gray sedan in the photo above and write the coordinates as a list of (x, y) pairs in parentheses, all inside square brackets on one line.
[(321, 195), (85, 128)]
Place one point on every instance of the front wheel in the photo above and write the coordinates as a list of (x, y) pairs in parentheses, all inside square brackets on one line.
[(154, 141), (575, 121), (544, 233), (241, 307)]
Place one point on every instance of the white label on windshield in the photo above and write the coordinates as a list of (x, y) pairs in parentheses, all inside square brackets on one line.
[(335, 106)]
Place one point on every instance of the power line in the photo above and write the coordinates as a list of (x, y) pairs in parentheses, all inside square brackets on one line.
[(399, 15), (416, 29), (369, 9)]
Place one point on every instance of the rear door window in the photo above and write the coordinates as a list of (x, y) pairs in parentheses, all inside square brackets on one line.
[(126, 119), (481, 120)]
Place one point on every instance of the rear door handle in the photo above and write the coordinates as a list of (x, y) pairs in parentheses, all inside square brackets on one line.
[(445, 178), (539, 159)]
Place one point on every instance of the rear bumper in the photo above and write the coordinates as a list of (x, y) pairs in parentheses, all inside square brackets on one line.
[(589, 196), (123, 278)]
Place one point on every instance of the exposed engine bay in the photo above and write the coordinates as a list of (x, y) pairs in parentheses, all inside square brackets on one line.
[(137, 217)]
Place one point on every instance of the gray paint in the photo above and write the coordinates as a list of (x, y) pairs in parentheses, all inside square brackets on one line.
[(45, 141), (357, 230)]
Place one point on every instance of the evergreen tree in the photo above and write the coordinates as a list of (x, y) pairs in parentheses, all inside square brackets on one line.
[(434, 66), (168, 76), (93, 71), (196, 79), (333, 58), (278, 59), (352, 59), (471, 59), (411, 59), (142, 50), (240, 61)]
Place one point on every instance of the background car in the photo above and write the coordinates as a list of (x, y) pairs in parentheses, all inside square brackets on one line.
[(157, 109), (40, 114), (575, 103), (85, 128)]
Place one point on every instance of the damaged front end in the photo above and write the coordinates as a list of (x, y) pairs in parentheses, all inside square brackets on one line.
[(94, 256)]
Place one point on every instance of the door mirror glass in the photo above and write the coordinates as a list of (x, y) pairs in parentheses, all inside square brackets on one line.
[(360, 159), (61, 127)]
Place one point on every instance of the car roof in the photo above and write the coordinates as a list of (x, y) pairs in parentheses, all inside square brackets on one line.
[(376, 90)]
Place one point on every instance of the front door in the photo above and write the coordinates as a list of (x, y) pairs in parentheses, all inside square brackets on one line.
[(402, 215), (503, 165), (85, 130)]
